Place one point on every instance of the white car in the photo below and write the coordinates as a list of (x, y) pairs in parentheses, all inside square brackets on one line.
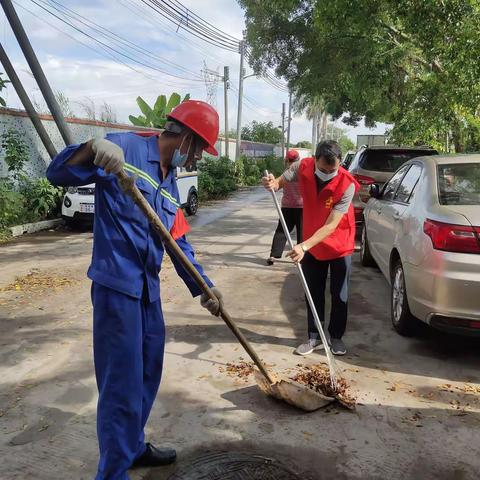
[(79, 202), (422, 229)]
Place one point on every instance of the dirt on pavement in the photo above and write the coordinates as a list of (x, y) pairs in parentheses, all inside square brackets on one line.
[(418, 415)]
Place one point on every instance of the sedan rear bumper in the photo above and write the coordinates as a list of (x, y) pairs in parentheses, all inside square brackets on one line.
[(460, 326), (444, 290)]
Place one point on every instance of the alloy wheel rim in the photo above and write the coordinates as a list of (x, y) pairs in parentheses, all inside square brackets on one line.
[(193, 203), (398, 295)]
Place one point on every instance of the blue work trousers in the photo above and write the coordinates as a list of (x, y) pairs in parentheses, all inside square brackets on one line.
[(128, 343)]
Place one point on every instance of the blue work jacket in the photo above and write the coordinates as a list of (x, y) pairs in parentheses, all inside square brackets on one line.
[(127, 253)]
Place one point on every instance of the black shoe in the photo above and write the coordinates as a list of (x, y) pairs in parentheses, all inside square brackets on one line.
[(155, 457)]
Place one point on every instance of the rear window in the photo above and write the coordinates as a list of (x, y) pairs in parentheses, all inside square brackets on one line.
[(459, 184), (390, 161)]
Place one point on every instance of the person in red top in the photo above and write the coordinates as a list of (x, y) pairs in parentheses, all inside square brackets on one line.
[(292, 204), (329, 237)]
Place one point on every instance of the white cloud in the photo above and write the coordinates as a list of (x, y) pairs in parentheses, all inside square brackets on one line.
[(81, 71)]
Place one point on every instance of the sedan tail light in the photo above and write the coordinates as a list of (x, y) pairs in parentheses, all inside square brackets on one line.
[(364, 180), (453, 238)]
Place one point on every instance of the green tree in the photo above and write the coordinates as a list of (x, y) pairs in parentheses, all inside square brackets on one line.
[(346, 144), (156, 116), (264, 132), (15, 151), (410, 63), (3, 85), (304, 144)]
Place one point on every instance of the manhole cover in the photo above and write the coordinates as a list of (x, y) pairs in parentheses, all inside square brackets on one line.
[(234, 466)]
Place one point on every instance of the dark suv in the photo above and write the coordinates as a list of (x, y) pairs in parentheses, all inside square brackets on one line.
[(377, 165)]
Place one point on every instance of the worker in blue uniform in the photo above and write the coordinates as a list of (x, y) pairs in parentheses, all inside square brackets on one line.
[(128, 325)]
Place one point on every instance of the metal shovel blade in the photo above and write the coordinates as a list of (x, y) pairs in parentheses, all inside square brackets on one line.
[(292, 392)]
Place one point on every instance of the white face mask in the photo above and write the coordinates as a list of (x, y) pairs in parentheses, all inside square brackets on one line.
[(325, 177)]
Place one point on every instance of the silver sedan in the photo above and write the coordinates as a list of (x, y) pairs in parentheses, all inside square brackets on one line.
[(422, 229)]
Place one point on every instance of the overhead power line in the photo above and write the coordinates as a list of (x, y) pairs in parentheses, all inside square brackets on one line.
[(166, 27), (183, 18), (121, 40), (111, 37)]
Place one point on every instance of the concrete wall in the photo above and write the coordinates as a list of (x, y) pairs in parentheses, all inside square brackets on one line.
[(82, 130)]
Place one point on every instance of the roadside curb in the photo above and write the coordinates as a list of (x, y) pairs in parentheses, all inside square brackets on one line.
[(19, 230)]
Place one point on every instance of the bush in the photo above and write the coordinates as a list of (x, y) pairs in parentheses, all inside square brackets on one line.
[(216, 178), (12, 205), (15, 151), (42, 199), (30, 201), (273, 164), (247, 171)]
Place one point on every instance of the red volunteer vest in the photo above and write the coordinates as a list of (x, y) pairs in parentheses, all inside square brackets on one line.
[(317, 207)]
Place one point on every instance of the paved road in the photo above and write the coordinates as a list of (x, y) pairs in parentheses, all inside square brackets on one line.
[(410, 424)]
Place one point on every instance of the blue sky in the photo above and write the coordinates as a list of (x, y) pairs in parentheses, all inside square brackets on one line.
[(81, 68)]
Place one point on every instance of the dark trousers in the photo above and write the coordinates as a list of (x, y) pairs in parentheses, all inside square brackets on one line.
[(293, 219), (316, 275)]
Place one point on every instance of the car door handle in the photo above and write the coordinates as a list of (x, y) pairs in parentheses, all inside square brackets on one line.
[(396, 216), (379, 210)]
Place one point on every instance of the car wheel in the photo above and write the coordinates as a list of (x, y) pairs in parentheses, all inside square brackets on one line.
[(402, 319), (192, 203), (70, 222), (366, 258)]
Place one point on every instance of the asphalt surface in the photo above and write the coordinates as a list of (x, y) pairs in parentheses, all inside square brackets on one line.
[(418, 413)]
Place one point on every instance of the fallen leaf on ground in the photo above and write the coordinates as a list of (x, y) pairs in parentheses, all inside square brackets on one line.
[(317, 377)]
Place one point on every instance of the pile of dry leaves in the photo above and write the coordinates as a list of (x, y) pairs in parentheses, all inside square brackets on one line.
[(38, 282), (317, 377), (241, 370)]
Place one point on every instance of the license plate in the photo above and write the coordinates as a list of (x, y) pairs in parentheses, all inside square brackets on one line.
[(87, 207)]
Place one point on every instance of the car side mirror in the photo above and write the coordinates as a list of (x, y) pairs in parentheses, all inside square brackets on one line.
[(374, 190)]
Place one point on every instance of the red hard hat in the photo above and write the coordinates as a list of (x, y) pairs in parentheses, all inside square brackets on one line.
[(292, 155), (201, 118)]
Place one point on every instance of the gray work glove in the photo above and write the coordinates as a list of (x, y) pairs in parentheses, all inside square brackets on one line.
[(108, 155), (213, 306)]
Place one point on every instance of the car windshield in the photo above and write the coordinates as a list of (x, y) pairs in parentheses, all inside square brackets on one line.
[(390, 160), (459, 184)]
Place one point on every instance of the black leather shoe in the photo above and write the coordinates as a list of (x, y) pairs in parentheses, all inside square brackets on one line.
[(155, 457)]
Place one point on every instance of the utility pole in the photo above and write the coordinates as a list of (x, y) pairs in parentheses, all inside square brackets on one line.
[(240, 100), (283, 130), (27, 104), (226, 78), (314, 131), (36, 69), (289, 121)]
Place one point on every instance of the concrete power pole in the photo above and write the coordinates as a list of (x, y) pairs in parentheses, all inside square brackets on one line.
[(27, 104), (240, 99), (283, 130), (289, 120), (37, 71), (226, 77)]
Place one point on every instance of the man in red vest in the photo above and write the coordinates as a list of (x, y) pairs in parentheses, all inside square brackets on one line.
[(329, 237)]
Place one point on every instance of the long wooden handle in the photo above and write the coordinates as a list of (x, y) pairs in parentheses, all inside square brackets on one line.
[(127, 184)]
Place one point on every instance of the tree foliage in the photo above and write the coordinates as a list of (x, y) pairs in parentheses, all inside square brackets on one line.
[(303, 144), (407, 62), (264, 132), (156, 116), (3, 85)]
